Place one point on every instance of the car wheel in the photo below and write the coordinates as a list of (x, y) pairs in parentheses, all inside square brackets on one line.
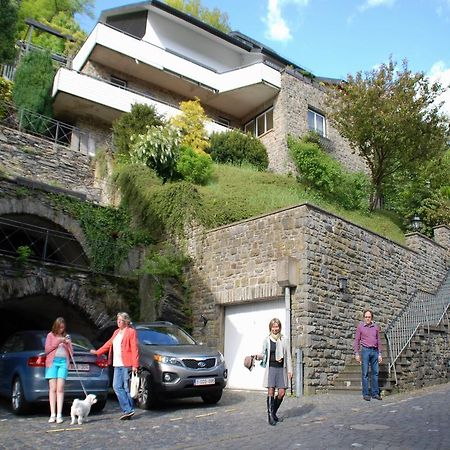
[(211, 398), (18, 403), (147, 398), (99, 406)]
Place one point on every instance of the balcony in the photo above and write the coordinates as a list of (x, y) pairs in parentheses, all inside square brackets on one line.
[(236, 92), (83, 95)]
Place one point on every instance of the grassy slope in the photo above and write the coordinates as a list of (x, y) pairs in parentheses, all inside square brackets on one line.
[(240, 193)]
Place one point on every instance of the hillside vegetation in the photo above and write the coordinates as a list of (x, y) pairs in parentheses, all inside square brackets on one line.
[(233, 194)]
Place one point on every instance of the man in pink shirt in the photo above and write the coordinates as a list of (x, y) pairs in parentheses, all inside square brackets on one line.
[(368, 353)]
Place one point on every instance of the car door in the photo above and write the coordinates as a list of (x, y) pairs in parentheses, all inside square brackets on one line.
[(9, 358)]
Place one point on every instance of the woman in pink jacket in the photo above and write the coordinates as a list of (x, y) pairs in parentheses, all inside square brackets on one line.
[(123, 345), (58, 348)]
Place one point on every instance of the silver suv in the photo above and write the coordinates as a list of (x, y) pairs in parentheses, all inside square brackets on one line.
[(173, 365)]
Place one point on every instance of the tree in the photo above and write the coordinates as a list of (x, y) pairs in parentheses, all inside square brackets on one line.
[(8, 28), (214, 17), (191, 123), (33, 83), (59, 15), (392, 119)]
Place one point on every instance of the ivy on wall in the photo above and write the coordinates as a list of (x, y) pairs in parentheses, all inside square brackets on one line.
[(108, 231)]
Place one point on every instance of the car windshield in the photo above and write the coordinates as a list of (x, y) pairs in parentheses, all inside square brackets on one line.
[(163, 335)]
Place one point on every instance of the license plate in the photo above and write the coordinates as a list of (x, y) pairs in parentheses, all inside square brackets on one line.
[(204, 381), (80, 367)]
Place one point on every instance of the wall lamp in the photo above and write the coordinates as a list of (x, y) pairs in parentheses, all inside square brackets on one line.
[(343, 284), (205, 319), (416, 223)]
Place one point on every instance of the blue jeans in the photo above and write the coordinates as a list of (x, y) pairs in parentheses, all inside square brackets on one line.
[(122, 390), (369, 357)]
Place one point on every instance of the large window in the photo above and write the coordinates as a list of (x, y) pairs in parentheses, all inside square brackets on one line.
[(316, 122), (260, 124)]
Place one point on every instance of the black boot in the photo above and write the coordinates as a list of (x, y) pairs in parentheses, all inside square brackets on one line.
[(270, 403), (276, 405)]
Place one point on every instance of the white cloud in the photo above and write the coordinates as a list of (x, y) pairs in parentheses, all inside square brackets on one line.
[(277, 27), (375, 3), (439, 72)]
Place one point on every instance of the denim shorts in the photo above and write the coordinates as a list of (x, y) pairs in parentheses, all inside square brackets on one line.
[(58, 369)]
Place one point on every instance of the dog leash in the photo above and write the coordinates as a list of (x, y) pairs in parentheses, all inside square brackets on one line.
[(76, 370)]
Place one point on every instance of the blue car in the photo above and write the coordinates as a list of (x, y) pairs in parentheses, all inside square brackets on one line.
[(22, 371)]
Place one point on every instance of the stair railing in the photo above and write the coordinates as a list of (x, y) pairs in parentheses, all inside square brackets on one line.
[(422, 309)]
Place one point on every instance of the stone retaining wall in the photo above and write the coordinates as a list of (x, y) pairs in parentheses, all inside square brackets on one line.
[(237, 264), (37, 159)]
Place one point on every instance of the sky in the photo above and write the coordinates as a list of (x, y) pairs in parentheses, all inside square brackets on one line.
[(334, 38)]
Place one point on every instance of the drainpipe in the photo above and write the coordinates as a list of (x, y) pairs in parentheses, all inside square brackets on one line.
[(288, 276)]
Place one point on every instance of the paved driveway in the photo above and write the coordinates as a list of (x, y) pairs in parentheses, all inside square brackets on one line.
[(415, 420)]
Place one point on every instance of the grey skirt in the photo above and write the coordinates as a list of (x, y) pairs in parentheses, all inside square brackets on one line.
[(276, 378)]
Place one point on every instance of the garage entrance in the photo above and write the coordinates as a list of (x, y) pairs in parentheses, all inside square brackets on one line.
[(246, 325)]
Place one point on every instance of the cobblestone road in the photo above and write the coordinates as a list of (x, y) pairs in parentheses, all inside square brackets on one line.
[(414, 420)]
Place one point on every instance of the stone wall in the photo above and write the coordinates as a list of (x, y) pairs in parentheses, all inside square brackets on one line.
[(237, 264), (426, 361), (290, 117), (37, 159)]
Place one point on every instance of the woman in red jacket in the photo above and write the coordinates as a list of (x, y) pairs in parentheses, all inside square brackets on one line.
[(58, 347), (123, 345)]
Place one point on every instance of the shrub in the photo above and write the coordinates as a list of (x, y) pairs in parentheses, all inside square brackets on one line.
[(5, 95), (236, 148), (194, 167), (158, 149), (191, 122), (324, 174), (134, 123)]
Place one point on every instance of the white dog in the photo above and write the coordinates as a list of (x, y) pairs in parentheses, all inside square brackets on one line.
[(82, 408)]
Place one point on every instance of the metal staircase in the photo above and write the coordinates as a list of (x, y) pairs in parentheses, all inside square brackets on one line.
[(423, 310)]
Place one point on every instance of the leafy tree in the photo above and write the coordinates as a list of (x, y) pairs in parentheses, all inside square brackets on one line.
[(8, 28), (59, 15), (191, 122), (425, 191), (214, 17), (5, 96), (134, 123), (392, 119), (33, 83)]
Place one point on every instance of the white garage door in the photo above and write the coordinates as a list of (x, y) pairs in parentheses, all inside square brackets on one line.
[(246, 326)]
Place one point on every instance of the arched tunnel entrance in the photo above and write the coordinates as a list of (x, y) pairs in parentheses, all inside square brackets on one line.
[(39, 238), (38, 312)]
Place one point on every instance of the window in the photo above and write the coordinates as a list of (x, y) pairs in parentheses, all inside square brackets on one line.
[(260, 124), (118, 81), (316, 122)]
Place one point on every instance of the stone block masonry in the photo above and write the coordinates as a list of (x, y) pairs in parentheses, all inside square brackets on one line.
[(237, 264), (36, 159)]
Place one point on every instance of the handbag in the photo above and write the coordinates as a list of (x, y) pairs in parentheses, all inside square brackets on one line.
[(249, 362), (135, 383)]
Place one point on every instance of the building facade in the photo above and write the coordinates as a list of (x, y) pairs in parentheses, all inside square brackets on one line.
[(153, 54)]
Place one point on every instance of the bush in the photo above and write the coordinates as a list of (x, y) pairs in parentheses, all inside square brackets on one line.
[(236, 148), (158, 149), (324, 174), (132, 124), (191, 123), (194, 167), (5, 96)]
